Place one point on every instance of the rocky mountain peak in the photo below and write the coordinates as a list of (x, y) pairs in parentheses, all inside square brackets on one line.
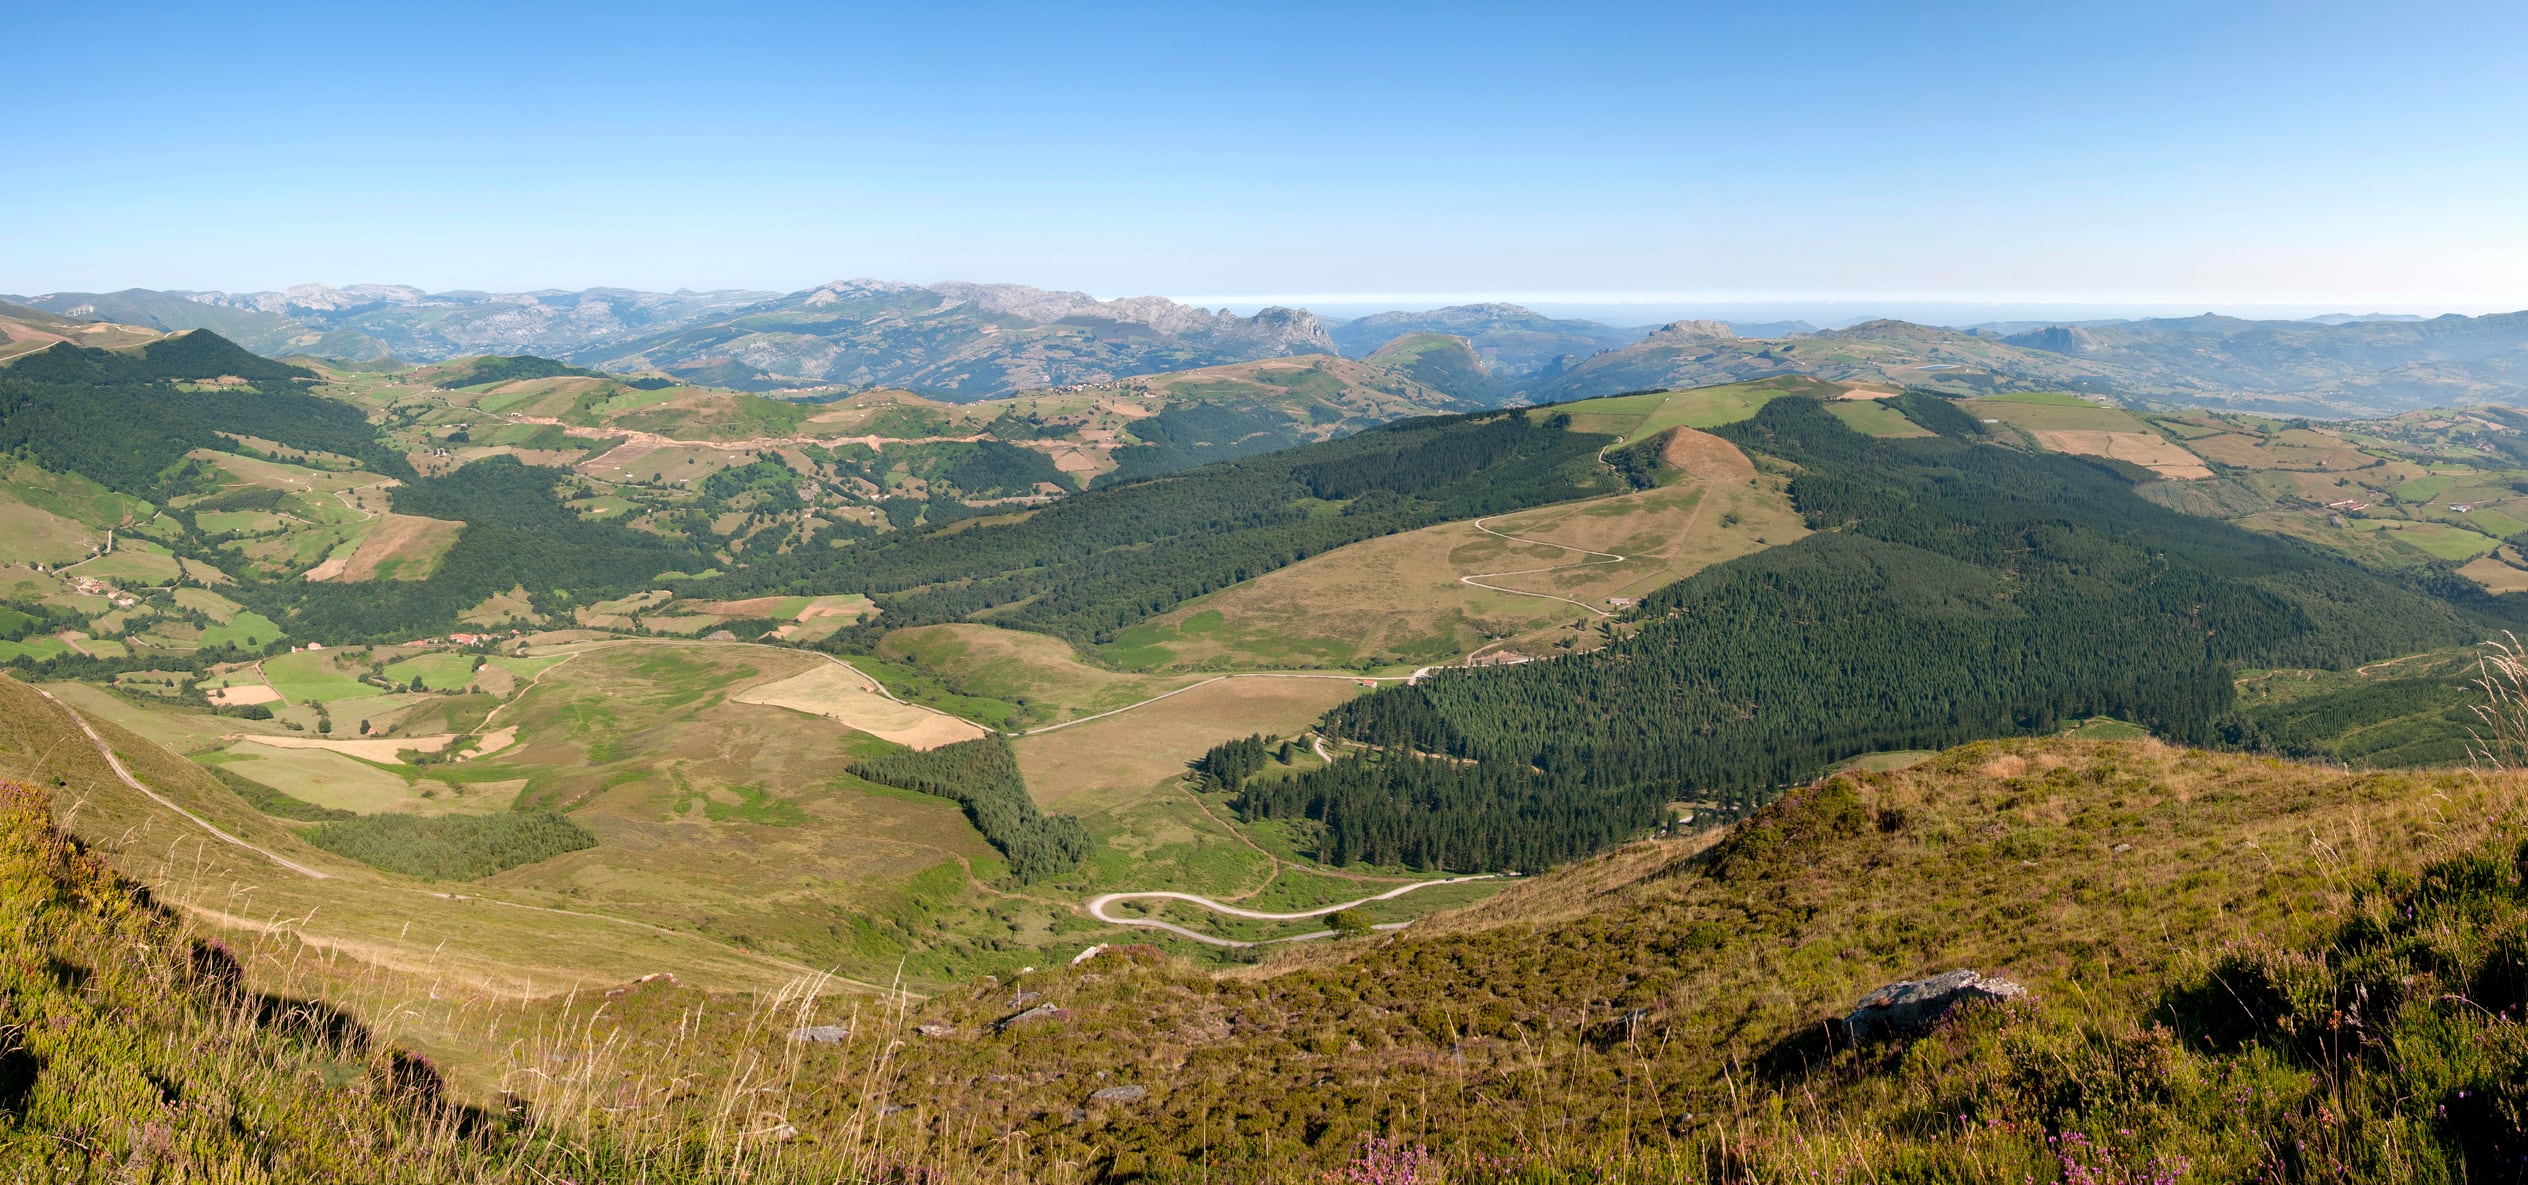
[(1694, 331)]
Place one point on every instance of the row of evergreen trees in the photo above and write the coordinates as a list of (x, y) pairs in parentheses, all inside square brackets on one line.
[(1230, 763), (982, 776)]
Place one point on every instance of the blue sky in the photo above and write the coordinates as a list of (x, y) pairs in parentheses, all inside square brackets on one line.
[(2212, 155)]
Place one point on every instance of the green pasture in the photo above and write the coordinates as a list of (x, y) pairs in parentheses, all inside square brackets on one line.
[(2440, 541), (311, 677), (246, 630), (438, 672), (2425, 489), (1872, 417)]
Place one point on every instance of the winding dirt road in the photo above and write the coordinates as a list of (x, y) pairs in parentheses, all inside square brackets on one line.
[(1215, 679), (116, 764), (1477, 580), (1097, 909), (125, 775)]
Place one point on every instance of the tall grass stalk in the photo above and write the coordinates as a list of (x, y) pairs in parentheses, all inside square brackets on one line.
[(2501, 741)]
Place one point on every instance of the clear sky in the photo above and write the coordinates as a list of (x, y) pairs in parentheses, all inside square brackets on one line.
[(2200, 154)]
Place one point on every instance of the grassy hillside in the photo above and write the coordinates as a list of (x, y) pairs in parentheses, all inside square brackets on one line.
[(137, 1044), (129, 1046), (25, 330), (1663, 1013), (2236, 969), (1522, 585)]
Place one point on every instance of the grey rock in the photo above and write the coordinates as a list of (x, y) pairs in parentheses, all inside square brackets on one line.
[(821, 1035), (936, 1030), (1120, 1094), (1914, 1004), (1038, 1013)]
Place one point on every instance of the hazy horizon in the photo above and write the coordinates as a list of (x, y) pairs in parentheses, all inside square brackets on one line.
[(2329, 156), (1824, 312)]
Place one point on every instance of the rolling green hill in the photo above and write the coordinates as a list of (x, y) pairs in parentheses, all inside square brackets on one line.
[(1514, 342), (2345, 1004), (566, 727), (328, 487), (1438, 360)]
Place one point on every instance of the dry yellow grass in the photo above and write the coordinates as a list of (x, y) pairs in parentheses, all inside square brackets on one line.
[(2156, 453), (398, 546), (244, 693), (2496, 575), (378, 749), (1402, 599), (2299, 448), (838, 692), (1043, 674), (509, 941), (1120, 760)]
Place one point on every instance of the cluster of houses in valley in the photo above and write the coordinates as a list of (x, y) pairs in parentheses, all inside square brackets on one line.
[(90, 586)]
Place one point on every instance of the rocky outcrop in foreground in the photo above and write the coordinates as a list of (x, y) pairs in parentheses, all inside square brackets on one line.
[(1913, 1005)]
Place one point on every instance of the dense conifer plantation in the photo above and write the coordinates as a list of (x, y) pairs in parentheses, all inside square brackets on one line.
[(1954, 590)]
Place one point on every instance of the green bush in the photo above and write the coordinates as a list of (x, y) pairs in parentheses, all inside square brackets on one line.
[(453, 847)]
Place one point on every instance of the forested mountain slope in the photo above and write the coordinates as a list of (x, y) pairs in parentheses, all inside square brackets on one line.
[(360, 504), (1091, 564), (1953, 590), (126, 418)]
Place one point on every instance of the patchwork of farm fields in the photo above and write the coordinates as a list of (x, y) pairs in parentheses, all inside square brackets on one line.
[(713, 779), (2394, 493)]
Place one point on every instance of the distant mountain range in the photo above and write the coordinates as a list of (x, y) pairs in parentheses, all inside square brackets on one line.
[(955, 339), (964, 341)]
